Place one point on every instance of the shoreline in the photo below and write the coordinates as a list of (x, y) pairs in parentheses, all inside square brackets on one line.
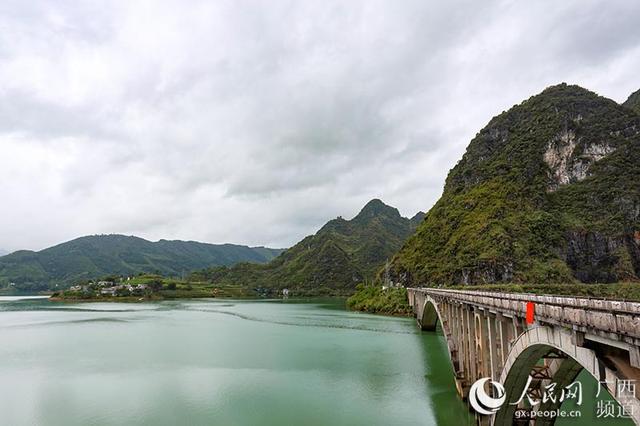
[(105, 299), (383, 314), (129, 299), (126, 299)]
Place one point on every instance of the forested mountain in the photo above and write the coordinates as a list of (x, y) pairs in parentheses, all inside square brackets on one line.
[(340, 255), (633, 102), (548, 191), (99, 255)]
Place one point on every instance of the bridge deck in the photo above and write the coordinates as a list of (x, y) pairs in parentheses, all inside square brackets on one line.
[(608, 318)]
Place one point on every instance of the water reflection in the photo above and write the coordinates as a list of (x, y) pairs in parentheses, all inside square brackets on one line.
[(441, 389), (218, 362)]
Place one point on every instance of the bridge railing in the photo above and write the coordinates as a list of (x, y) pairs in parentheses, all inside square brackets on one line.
[(581, 313)]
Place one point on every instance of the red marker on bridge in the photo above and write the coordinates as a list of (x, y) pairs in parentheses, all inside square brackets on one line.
[(531, 309)]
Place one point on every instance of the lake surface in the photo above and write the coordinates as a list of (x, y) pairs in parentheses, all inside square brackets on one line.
[(218, 362)]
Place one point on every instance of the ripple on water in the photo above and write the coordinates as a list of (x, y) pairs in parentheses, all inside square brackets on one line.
[(111, 307), (17, 298)]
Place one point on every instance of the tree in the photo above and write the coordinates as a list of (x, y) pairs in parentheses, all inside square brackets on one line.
[(155, 285)]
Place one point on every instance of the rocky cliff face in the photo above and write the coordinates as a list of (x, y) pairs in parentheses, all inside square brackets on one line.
[(549, 191), (565, 166)]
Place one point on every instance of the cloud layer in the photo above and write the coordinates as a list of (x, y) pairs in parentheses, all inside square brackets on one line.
[(255, 122)]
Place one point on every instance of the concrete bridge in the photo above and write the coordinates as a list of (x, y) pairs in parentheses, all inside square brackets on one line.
[(488, 336)]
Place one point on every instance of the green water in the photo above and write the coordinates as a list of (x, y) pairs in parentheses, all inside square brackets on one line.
[(205, 362)]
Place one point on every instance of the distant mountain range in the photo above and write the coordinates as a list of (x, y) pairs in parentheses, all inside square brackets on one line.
[(340, 255), (547, 192), (100, 255)]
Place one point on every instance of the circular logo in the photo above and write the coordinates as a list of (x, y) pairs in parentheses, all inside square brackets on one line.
[(483, 403)]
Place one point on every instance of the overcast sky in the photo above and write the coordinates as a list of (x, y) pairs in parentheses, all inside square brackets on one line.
[(254, 122)]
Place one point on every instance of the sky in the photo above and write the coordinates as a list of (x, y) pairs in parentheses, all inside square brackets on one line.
[(255, 122)]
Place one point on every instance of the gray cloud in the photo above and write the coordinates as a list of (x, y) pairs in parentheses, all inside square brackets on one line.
[(255, 122)]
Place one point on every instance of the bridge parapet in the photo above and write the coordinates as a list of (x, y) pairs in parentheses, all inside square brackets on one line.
[(609, 318), (487, 335)]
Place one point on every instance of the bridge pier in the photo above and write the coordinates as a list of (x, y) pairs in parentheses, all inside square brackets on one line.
[(487, 336)]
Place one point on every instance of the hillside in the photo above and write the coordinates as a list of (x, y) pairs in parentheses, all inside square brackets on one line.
[(99, 255), (633, 102), (547, 192), (340, 255)]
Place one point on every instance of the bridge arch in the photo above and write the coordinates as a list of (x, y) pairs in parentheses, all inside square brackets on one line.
[(430, 315), (566, 362), (429, 312)]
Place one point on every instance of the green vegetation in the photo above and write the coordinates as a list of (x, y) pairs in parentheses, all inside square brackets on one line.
[(548, 192), (95, 256), (331, 262), (633, 102), (146, 287), (374, 299)]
